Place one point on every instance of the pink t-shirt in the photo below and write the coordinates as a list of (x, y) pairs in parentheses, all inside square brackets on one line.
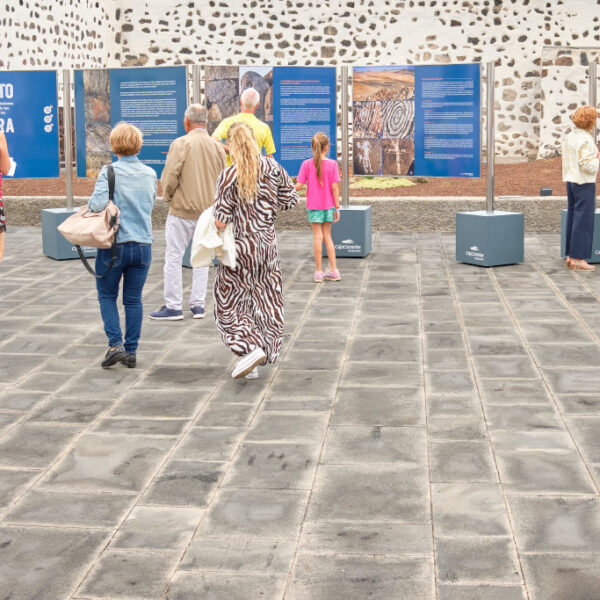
[(319, 197)]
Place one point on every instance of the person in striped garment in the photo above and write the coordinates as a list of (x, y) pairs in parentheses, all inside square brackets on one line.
[(249, 298)]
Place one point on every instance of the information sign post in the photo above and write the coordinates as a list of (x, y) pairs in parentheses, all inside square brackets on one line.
[(490, 238), (351, 235)]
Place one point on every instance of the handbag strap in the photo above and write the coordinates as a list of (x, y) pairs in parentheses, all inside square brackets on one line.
[(110, 172)]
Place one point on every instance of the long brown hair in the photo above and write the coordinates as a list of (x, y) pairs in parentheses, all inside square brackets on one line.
[(319, 142), (244, 152)]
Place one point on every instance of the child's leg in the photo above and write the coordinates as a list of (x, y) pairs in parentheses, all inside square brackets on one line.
[(329, 245), (317, 229)]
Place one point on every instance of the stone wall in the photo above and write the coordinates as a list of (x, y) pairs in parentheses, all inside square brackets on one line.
[(531, 109)]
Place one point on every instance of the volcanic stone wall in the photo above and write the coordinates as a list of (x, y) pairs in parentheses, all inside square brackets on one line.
[(525, 38)]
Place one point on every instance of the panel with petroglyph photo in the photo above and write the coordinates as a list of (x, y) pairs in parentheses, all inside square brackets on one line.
[(367, 155), (398, 157), (367, 119), (398, 119)]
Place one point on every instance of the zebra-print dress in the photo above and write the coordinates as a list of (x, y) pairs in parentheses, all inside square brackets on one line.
[(249, 298)]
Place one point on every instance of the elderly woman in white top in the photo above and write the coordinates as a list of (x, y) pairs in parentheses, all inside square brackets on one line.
[(580, 161)]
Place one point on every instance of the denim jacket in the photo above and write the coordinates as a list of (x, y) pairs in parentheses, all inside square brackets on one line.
[(135, 193)]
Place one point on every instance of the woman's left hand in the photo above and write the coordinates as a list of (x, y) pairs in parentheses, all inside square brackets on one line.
[(220, 224)]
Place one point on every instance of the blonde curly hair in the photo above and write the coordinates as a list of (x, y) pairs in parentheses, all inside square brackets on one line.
[(245, 154)]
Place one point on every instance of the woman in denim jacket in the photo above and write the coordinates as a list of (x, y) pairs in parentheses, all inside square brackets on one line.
[(135, 193)]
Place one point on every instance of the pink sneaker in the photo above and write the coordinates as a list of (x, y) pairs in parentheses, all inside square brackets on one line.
[(332, 275), (319, 276)]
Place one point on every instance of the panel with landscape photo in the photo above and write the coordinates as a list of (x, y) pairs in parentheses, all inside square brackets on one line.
[(96, 102), (222, 88), (261, 79), (383, 107)]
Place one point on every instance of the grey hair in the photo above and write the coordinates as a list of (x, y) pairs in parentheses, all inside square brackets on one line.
[(196, 113), (250, 98)]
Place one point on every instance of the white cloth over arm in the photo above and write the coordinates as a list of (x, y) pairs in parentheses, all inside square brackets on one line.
[(209, 242)]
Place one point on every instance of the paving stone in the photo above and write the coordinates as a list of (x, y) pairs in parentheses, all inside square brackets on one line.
[(585, 431), (454, 405), (567, 355), (297, 404), (169, 427), (524, 391), (35, 446), (239, 554), (477, 560), (318, 384), (188, 377), (273, 466), (355, 537), (225, 415), (18, 400), (513, 367), (254, 512), (549, 472), (14, 482), (481, 592), (244, 391), (129, 575), (312, 360), (560, 576), (394, 325), (209, 443), (233, 586), (449, 382), (16, 366), (369, 492), (579, 404), (401, 446), (381, 374), (108, 463), (446, 360), (444, 341), (573, 381), (100, 383), (45, 562), (291, 428), (532, 440), (400, 349), (449, 428), (522, 417), (483, 345), (462, 461), (341, 577), (469, 509), (184, 483), (178, 404), (550, 331), (556, 525), (69, 410), (393, 407), (70, 509)]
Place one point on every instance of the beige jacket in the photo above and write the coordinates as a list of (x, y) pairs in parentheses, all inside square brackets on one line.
[(190, 174)]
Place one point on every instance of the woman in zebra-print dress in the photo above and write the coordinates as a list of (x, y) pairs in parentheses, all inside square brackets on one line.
[(249, 298)]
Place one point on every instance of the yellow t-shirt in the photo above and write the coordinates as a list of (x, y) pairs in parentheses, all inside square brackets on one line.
[(262, 132)]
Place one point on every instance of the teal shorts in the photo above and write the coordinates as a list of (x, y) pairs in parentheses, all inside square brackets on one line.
[(320, 216)]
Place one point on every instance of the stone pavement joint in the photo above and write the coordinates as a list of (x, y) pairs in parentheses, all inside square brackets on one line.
[(430, 432)]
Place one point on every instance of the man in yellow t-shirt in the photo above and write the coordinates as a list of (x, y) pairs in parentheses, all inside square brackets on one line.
[(249, 101)]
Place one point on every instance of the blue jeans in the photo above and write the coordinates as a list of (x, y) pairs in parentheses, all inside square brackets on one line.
[(580, 219), (132, 264)]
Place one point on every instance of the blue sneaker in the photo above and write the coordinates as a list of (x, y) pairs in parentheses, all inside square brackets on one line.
[(198, 312), (167, 314)]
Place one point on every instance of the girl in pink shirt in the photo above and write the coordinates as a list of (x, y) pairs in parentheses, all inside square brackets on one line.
[(321, 176)]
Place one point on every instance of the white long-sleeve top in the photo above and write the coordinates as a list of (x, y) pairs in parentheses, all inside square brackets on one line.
[(209, 242), (579, 157)]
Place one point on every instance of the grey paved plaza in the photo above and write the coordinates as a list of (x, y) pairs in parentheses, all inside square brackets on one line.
[(431, 431)]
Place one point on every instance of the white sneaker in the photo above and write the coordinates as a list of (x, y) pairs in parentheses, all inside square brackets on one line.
[(253, 374), (248, 362)]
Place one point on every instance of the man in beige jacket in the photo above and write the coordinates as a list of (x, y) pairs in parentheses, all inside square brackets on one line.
[(188, 180)]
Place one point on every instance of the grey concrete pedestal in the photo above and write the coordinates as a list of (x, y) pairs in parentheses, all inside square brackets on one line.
[(352, 235), (595, 258), (54, 245), (490, 239)]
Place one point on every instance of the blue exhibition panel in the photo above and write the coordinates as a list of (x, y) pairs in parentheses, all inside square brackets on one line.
[(490, 239), (29, 120), (595, 258)]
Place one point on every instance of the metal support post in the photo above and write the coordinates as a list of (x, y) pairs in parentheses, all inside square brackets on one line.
[(68, 138), (491, 139), (345, 147), (593, 82), (196, 84)]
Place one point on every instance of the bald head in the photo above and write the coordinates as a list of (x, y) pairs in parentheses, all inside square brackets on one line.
[(249, 100)]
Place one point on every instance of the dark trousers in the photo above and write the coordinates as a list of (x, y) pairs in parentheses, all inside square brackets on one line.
[(132, 264), (580, 219)]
